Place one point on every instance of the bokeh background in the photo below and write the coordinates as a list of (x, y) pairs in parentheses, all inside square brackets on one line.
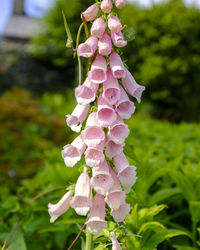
[(37, 77)]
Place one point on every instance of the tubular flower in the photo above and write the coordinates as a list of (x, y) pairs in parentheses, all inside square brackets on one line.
[(55, 210), (102, 105)]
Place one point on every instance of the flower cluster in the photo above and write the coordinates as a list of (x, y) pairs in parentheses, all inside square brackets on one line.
[(102, 138)]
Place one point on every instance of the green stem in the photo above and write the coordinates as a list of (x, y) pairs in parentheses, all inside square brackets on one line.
[(194, 231), (89, 240), (78, 57)]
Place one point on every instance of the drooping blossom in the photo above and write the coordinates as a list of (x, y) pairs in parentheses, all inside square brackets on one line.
[(88, 48), (86, 93), (81, 201), (126, 173), (111, 90), (93, 134), (90, 13), (114, 24), (96, 220), (97, 74), (106, 6), (98, 27), (55, 210), (72, 153), (133, 88), (118, 131), (105, 45), (115, 196), (120, 213), (94, 156), (118, 39), (101, 178), (124, 107), (105, 113), (78, 116), (116, 65), (112, 148)]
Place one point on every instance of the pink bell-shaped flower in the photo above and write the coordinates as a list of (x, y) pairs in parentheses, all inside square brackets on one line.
[(116, 65), (120, 213), (93, 134), (90, 13), (71, 153), (98, 27), (126, 173), (81, 201), (118, 39), (101, 178), (120, 3), (111, 90), (97, 74), (55, 210), (124, 107), (106, 6), (106, 114), (105, 45), (132, 87), (112, 148), (86, 93), (118, 131), (115, 196), (114, 24), (96, 220), (95, 156), (78, 116), (115, 243), (88, 48)]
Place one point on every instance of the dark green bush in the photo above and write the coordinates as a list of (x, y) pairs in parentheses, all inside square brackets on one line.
[(165, 56), (26, 130)]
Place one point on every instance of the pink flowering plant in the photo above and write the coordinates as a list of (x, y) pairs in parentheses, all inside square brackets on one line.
[(98, 119)]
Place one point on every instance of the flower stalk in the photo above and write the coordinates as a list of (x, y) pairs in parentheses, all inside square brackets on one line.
[(102, 106)]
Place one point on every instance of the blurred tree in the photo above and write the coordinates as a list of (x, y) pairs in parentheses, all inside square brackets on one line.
[(49, 43), (165, 57)]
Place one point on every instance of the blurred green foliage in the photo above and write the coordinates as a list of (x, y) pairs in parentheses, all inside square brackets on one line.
[(164, 56), (27, 130), (165, 200)]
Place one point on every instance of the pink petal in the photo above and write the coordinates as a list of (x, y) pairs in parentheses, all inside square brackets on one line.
[(132, 87), (114, 24), (116, 65), (55, 210), (75, 120), (124, 107), (97, 74), (106, 6), (111, 90), (96, 220), (98, 27), (88, 48), (105, 45), (90, 13), (120, 214), (118, 39)]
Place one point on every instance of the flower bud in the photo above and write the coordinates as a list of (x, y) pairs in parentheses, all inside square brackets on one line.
[(106, 6), (98, 27), (114, 24), (90, 13)]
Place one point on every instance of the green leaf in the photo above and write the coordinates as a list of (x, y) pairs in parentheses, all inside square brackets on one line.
[(195, 210), (153, 225), (162, 195), (69, 43), (151, 212), (159, 237), (17, 241), (181, 247)]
